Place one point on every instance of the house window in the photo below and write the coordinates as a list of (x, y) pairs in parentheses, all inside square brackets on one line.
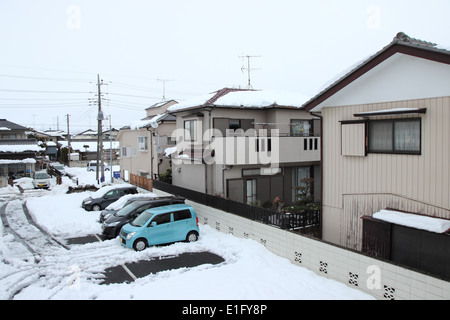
[(124, 152), (299, 182), (250, 194), (301, 128), (143, 143), (395, 136), (190, 129)]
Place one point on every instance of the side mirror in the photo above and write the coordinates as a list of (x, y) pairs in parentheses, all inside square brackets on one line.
[(153, 224)]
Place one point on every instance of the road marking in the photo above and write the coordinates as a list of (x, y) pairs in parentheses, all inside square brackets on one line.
[(122, 265), (129, 272)]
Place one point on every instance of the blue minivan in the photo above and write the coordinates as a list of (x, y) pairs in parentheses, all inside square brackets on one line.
[(160, 225)]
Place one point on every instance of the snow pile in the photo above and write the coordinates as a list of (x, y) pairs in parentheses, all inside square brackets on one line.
[(414, 220), (63, 215)]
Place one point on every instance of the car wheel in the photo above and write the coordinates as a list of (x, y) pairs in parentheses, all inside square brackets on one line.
[(140, 244), (192, 236), (96, 207)]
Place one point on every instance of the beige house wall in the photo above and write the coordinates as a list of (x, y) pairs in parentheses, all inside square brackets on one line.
[(140, 162), (354, 186)]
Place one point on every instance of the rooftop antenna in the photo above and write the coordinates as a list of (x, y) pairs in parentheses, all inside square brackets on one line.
[(249, 85), (164, 87)]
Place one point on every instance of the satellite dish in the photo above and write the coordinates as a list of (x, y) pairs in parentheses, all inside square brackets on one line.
[(154, 124)]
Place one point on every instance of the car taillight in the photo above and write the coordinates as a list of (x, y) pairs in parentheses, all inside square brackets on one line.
[(197, 220)]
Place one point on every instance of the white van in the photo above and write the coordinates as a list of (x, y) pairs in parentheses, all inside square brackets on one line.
[(92, 166)]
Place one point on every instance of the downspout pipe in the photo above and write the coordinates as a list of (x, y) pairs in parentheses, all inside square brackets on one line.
[(321, 171)]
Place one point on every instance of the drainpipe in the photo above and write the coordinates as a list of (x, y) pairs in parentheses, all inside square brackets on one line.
[(321, 171)]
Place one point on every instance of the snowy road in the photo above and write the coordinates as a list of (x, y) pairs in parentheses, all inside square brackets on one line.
[(37, 262)]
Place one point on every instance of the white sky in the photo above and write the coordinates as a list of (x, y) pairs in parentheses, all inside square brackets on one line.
[(49, 47)]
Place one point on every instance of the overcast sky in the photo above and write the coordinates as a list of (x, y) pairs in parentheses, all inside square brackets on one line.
[(52, 51)]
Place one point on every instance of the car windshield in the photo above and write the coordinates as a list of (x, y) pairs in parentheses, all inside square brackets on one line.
[(142, 219), (41, 175), (128, 209), (58, 167)]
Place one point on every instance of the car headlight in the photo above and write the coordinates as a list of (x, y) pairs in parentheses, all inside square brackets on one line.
[(130, 235), (87, 201), (113, 224)]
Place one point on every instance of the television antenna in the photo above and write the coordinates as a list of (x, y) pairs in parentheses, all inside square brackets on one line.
[(249, 69), (164, 87)]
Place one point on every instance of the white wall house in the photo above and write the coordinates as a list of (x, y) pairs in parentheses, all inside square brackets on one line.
[(386, 139)]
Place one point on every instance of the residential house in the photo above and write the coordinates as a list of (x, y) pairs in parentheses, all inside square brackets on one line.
[(18, 154), (247, 145), (386, 139), (85, 144), (142, 144)]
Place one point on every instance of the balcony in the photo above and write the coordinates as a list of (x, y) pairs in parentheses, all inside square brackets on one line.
[(239, 150)]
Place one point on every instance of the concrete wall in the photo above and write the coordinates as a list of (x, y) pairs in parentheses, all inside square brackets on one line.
[(378, 278)]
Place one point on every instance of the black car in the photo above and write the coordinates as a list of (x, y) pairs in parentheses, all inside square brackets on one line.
[(107, 212), (112, 225), (103, 197)]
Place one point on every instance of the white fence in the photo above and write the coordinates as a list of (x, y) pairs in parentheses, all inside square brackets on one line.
[(382, 280)]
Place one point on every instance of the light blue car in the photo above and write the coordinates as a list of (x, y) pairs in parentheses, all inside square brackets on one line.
[(160, 225)]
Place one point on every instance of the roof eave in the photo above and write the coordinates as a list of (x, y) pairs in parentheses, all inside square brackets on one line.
[(429, 53)]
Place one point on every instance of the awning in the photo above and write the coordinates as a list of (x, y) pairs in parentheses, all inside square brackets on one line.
[(413, 220), (388, 112)]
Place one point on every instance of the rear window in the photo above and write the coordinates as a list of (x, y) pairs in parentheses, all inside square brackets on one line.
[(181, 215)]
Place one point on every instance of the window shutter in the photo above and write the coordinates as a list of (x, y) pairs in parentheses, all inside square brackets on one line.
[(353, 139)]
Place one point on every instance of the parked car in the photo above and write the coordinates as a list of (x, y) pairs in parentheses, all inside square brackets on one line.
[(122, 202), (160, 225), (92, 166), (103, 197), (41, 179), (114, 222)]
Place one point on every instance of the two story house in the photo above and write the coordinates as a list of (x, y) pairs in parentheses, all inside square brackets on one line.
[(18, 154), (142, 144), (386, 139), (247, 145)]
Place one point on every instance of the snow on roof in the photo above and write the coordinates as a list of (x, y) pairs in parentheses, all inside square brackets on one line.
[(92, 145), (262, 99), (390, 112), (412, 220), (191, 103), (20, 148), (27, 160), (244, 99), (145, 123)]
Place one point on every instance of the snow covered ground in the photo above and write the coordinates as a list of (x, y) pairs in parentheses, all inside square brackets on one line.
[(52, 271)]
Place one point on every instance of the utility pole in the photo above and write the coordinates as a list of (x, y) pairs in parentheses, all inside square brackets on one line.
[(249, 85), (68, 139), (100, 135)]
